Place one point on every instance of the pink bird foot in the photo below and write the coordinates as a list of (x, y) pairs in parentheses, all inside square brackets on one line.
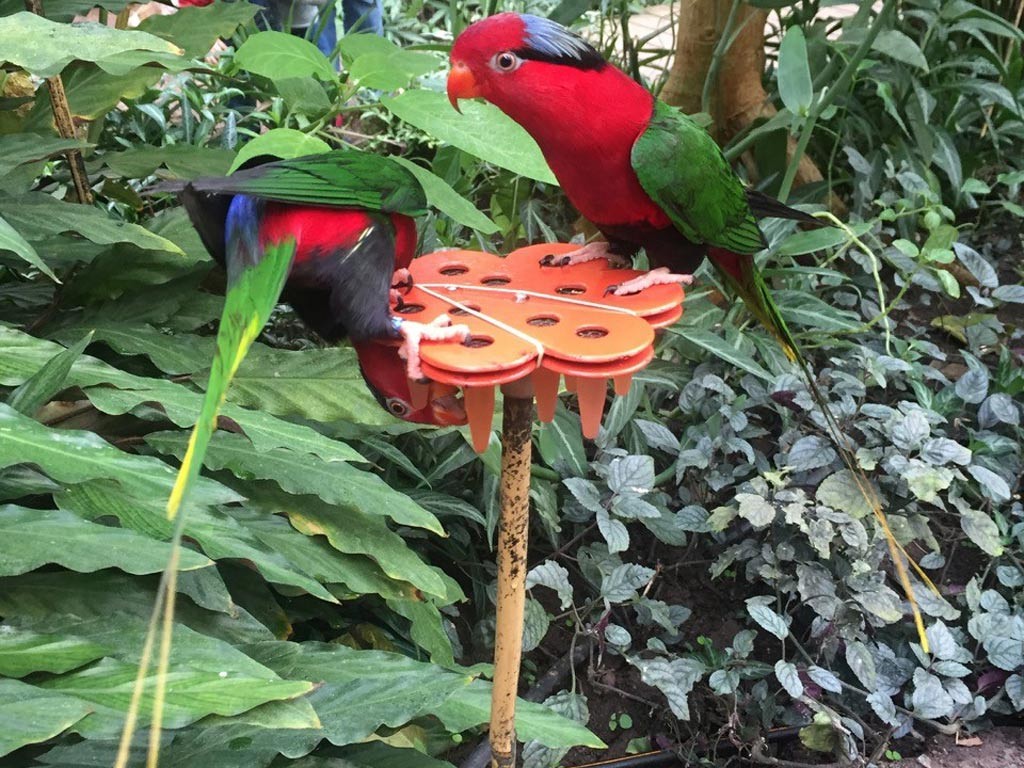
[(599, 249), (659, 276), (438, 329)]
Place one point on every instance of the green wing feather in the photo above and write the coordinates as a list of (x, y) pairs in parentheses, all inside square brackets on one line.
[(342, 178), (683, 170)]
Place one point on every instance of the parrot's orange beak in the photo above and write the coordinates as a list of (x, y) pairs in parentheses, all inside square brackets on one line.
[(445, 405), (461, 84)]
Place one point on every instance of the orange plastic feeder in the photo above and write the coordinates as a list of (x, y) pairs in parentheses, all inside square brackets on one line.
[(535, 323)]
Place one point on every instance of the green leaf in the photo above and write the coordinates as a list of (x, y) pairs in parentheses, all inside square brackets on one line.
[(336, 482), (376, 62), (31, 715), (28, 538), (358, 532), (48, 380), (812, 240), (92, 93), (801, 308), (282, 555), (36, 215), (11, 241), (361, 690), (183, 161), (786, 673), (560, 443), (277, 55), (795, 86), (481, 130), (981, 529), (447, 200), (23, 652), (191, 695), (841, 490), (71, 456), (471, 706), (195, 29), (303, 94), (675, 678), (320, 384), (23, 148), (899, 46), (44, 47), (766, 618), (280, 142), (720, 348)]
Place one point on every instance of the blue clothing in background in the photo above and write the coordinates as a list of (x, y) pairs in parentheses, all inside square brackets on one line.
[(363, 16), (317, 22)]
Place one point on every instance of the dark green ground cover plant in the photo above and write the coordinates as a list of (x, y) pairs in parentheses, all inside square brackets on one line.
[(708, 545)]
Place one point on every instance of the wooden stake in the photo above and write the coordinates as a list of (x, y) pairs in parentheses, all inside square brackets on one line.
[(513, 531)]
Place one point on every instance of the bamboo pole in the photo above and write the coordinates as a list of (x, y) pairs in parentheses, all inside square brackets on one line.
[(513, 532)]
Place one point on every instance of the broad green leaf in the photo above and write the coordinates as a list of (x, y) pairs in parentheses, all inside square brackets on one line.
[(471, 706), (72, 456), (91, 93), (481, 130), (37, 215), (376, 62), (720, 348), (320, 384), (23, 651), (788, 675), (277, 55), (191, 695), (282, 558), (44, 47), (794, 74), (40, 597), (766, 618), (357, 532), (361, 690), (31, 715), (183, 161), (809, 241), (561, 443), (675, 678), (22, 148), (336, 482), (285, 143), (48, 380), (801, 308), (841, 490), (980, 528), (303, 94), (899, 46), (11, 241), (447, 200), (194, 29), (165, 349), (31, 538)]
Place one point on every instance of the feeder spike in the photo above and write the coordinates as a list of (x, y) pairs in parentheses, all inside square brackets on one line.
[(591, 393), (479, 403), (419, 393), (623, 384), (545, 390)]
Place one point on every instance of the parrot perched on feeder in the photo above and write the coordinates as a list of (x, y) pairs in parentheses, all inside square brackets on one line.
[(646, 175), (350, 215), (643, 173)]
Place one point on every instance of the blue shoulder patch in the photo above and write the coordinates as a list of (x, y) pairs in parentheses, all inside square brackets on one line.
[(549, 41)]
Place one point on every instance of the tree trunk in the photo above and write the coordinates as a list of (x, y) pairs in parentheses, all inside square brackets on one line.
[(737, 98)]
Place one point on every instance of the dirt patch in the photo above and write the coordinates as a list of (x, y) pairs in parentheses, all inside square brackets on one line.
[(999, 748)]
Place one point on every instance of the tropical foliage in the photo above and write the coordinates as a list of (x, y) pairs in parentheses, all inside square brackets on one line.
[(336, 581)]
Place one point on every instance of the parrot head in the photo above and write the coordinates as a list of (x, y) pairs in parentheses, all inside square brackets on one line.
[(507, 57), (385, 375)]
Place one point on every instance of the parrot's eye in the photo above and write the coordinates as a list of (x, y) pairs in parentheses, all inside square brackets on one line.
[(397, 407), (506, 61)]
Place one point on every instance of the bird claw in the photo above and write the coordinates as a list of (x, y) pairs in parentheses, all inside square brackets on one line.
[(659, 276), (438, 329), (589, 252), (402, 279)]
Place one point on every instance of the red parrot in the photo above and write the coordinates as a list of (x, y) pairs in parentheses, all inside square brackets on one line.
[(645, 174), (350, 214)]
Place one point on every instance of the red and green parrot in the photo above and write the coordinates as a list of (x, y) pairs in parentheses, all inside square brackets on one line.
[(643, 173), (646, 175), (350, 215)]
